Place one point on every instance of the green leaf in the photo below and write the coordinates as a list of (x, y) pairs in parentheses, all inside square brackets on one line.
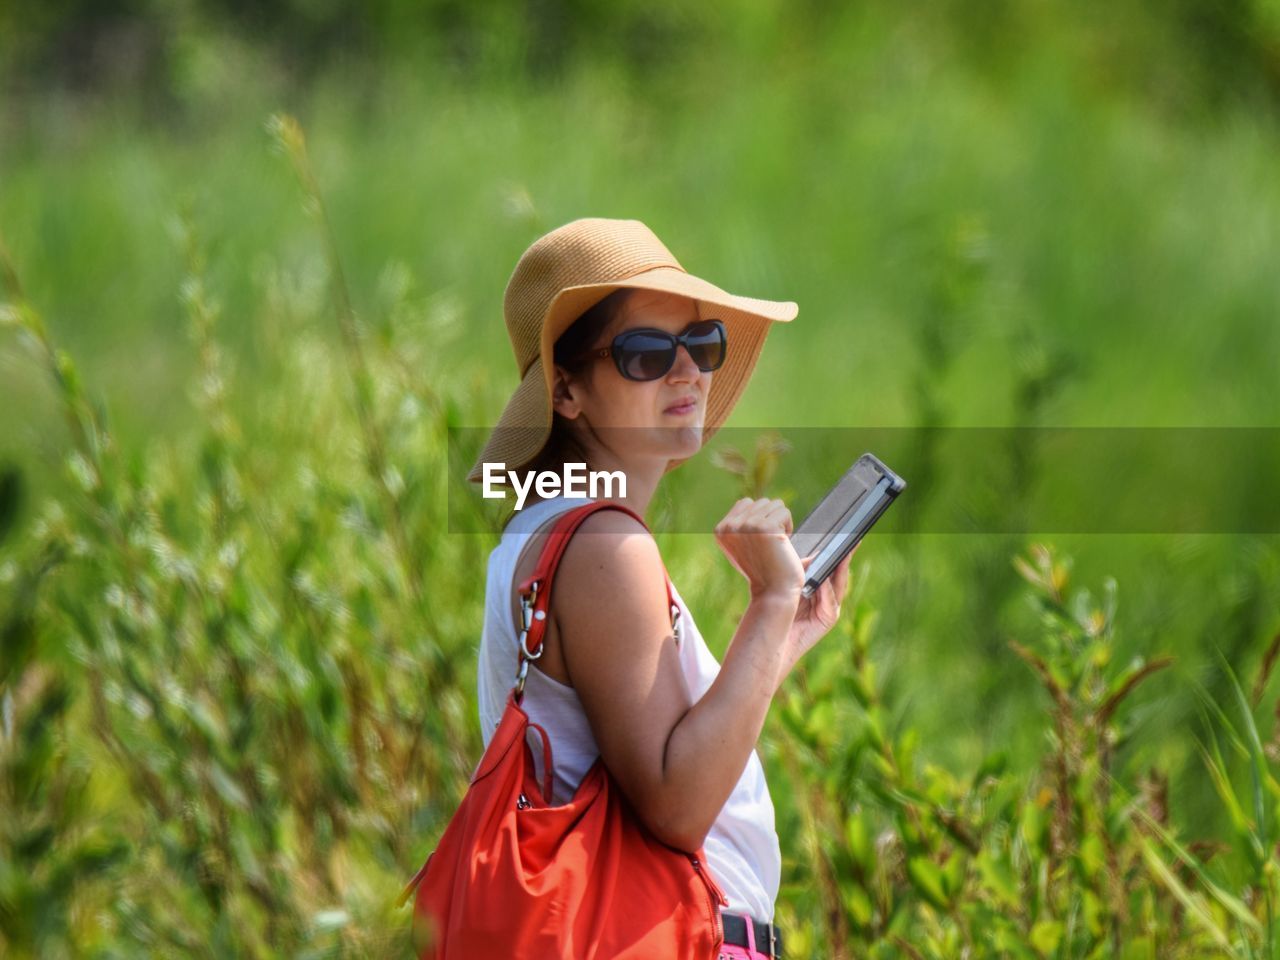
[(1139, 948), (953, 874), (858, 904), (1034, 825), (1092, 856), (1232, 904), (926, 877), (821, 720), (858, 837), (993, 766), (1094, 912), (998, 877), (1226, 792), (1194, 903), (1258, 759), (1045, 936)]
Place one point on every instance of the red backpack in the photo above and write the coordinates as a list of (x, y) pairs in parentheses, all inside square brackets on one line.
[(515, 877)]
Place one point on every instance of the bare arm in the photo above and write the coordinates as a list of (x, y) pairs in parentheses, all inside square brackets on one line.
[(676, 760)]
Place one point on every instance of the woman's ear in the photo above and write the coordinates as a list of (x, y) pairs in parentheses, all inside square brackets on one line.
[(565, 395)]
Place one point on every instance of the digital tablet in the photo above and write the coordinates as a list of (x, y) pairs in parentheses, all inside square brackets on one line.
[(841, 518)]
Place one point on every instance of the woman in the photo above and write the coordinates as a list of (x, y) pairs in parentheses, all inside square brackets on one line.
[(594, 310)]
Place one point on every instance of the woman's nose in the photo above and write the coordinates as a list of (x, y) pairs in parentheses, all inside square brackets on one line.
[(684, 367)]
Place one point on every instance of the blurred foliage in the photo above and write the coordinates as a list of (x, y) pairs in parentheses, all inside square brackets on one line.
[(281, 729), (1177, 53), (1071, 860)]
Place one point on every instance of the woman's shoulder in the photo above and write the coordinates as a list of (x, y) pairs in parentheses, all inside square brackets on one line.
[(615, 537), (537, 514), (609, 548), (611, 551)]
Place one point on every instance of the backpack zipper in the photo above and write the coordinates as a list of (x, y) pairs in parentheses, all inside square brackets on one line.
[(714, 893)]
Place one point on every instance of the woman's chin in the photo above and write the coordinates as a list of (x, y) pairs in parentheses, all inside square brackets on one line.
[(683, 441)]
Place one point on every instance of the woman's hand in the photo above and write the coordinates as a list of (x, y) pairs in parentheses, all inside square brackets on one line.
[(818, 613), (756, 537)]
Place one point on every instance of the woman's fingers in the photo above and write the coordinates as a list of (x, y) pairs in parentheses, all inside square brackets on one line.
[(748, 515), (775, 512), (753, 534)]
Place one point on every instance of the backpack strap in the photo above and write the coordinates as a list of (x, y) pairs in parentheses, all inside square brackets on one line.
[(535, 590)]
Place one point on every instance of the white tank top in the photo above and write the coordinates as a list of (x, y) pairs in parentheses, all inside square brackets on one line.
[(742, 846)]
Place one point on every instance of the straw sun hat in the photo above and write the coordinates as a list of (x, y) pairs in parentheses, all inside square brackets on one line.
[(572, 268)]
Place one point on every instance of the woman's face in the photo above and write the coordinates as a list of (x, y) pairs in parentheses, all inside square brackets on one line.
[(645, 418)]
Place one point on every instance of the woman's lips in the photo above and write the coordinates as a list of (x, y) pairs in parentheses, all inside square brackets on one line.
[(682, 408)]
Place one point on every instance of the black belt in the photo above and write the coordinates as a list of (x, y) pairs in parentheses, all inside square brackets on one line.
[(768, 936)]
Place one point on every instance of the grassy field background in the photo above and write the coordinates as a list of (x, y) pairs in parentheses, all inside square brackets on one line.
[(238, 670)]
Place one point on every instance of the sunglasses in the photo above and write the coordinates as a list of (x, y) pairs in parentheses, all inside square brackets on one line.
[(647, 354)]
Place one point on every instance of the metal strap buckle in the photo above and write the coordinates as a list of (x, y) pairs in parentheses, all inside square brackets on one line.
[(526, 620), (526, 604)]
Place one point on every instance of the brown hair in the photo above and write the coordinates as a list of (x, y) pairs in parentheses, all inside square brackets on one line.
[(571, 353)]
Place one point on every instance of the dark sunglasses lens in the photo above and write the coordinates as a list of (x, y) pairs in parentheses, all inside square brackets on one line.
[(707, 344), (646, 356)]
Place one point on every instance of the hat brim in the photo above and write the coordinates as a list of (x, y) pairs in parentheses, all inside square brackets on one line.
[(525, 424)]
